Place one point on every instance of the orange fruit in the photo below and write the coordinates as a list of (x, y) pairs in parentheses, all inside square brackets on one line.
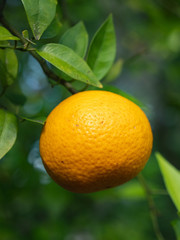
[(95, 140)]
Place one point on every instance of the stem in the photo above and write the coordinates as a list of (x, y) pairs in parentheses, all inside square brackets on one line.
[(49, 73), (152, 207), (20, 48)]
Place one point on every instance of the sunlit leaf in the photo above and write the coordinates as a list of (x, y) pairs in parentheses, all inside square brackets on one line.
[(8, 131), (76, 38), (171, 178), (66, 60), (8, 66), (6, 35), (102, 49), (40, 14)]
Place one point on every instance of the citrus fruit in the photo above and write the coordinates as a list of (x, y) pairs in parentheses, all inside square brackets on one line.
[(95, 140)]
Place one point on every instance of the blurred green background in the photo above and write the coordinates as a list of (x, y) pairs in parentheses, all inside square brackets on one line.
[(148, 44)]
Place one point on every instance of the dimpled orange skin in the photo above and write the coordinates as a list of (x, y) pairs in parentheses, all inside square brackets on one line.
[(95, 140)]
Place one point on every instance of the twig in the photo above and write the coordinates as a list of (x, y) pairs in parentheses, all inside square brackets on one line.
[(20, 48), (41, 61), (152, 207)]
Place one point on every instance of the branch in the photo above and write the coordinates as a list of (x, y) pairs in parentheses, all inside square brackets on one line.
[(49, 73), (152, 207)]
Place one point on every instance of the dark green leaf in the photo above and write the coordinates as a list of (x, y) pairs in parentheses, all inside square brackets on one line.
[(53, 29), (176, 226), (66, 60), (171, 178), (8, 131), (8, 66), (102, 49), (76, 38), (114, 72), (16, 98), (40, 14), (6, 35)]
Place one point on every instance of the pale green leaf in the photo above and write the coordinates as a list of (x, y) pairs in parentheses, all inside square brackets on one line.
[(6, 35), (8, 66), (171, 178), (76, 38), (8, 131), (66, 60), (114, 72), (102, 49), (25, 34), (40, 120), (40, 14)]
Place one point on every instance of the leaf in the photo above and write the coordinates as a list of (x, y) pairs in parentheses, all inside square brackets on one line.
[(76, 38), (120, 92), (171, 178), (114, 72), (41, 120), (102, 49), (40, 14), (8, 131), (16, 98), (25, 34), (6, 35), (8, 66), (53, 29), (66, 60), (176, 226)]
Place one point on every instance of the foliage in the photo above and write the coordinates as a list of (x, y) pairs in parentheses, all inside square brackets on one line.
[(172, 179), (51, 49)]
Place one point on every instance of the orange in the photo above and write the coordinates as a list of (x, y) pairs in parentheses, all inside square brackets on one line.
[(95, 140)]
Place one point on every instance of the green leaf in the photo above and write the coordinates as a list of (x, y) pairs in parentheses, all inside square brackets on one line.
[(66, 60), (114, 72), (16, 98), (8, 131), (8, 66), (53, 29), (102, 49), (40, 14), (25, 34), (171, 178), (176, 226), (6, 35), (76, 38), (120, 92), (40, 120)]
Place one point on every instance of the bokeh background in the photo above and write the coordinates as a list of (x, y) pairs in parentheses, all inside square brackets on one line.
[(32, 206)]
